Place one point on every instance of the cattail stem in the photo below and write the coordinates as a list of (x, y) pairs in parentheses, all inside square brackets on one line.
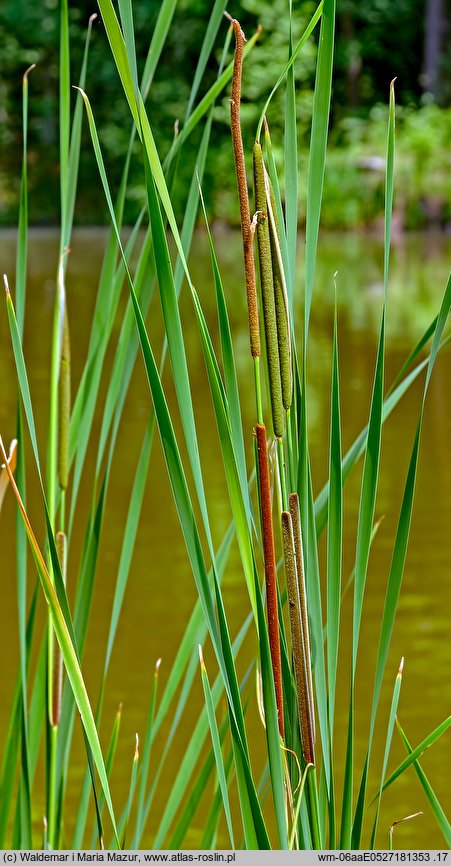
[(61, 547), (246, 228), (312, 789), (64, 398), (297, 639), (52, 798), (268, 300), (281, 467), (270, 569)]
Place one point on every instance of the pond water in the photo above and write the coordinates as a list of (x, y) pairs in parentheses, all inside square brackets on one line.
[(161, 593)]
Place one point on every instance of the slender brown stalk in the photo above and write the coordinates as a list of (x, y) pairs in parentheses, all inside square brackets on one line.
[(270, 569), (300, 660), (61, 547), (299, 553), (246, 226)]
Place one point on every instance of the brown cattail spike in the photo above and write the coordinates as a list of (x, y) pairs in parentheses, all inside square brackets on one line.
[(267, 287), (64, 407), (270, 569), (297, 640), (246, 229), (61, 547), (299, 554)]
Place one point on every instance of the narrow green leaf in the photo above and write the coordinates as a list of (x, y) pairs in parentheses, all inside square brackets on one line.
[(209, 837), (368, 493), (131, 794), (130, 532), (22, 233), (388, 739), (334, 535), (64, 102), (317, 153), (160, 32), (216, 742), (214, 23), (71, 178), (230, 377), (307, 32), (145, 762), (87, 397), (176, 344), (291, 170), (196, 794), (437, 809), (415, 754)]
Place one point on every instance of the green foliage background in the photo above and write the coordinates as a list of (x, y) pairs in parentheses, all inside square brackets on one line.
[(376, 41)]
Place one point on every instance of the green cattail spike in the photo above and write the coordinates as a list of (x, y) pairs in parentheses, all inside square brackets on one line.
[(64, 406), (297, 642), (280, 297), (61, 547), (297, 535), (267, 286)]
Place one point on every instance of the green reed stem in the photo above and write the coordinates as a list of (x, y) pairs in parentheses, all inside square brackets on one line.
[(282, 473), (61, 547), (291, 471), (258, 390), (315, 827), (270, 569), (64, 400), (53, 800)]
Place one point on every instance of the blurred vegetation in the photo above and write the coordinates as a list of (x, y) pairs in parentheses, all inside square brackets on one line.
[(376, 41)]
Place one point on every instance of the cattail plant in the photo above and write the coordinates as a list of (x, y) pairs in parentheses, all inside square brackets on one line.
[(248, 230)]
